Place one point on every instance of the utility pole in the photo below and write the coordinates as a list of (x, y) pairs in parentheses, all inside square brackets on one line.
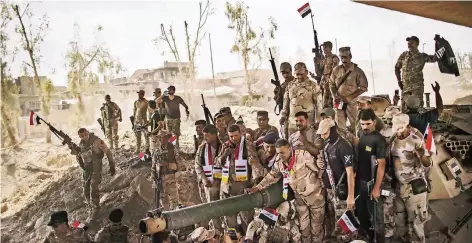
[(336, 43), (372, 68), (212, 70)]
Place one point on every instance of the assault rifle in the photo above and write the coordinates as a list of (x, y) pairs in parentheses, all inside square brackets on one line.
[(207, 112), (279, 100), (138, 128), (318, 56), (99, 120)]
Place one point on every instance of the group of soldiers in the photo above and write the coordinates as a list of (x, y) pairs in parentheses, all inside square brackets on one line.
[(335, 158)]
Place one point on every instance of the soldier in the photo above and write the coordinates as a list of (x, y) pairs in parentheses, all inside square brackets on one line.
[(371, 143), (140, 109), (409, 70), (111, 115), (245, 131), (410, 160), (209, 176), (92, 151), (275, 225), (228, 116), (221, 127), (286, 71), (199, 138), (339, 182), (263, 125), (172, 104), (116, 231), (202, 235), (63, 233), (164, 165), (347, 82), (301, 95), (300, 173), (365, 103), (327, 65), (420, 120), (266, 155), (236, 158), (329, 113)]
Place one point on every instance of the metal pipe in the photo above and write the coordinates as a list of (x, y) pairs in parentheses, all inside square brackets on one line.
[(427, 99), (456, 143), (448, 144), (468, 143), (453, 149), (466, 147), (463, 152)]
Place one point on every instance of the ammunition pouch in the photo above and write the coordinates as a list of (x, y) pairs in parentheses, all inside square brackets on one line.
[(418, 186), (342, 191)]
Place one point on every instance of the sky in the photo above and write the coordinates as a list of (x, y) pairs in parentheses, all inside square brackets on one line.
[(130, 26)]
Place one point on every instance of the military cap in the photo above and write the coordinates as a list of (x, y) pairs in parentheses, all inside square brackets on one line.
[(285, 67), (345, 50), (200, 122), (412, 101), (324, 126), (413, 38), (141, 91), (328, 44), (328, 111), (218, 115), (263, 113), (58, 218), (225, 110), (240, 120), (364, 99), (115, 215), (107, 97), (271, 138), (391, 111), (399, 122), (201, 234), (171, 87)]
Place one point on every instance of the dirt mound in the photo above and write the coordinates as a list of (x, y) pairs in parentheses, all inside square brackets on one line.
[(466, 100)]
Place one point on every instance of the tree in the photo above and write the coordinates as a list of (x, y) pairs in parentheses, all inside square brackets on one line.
[(192, 43), (85, 65), (31, 43), (248, 43)]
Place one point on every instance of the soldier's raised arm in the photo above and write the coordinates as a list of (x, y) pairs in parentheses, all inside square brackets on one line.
[(429, 58), (104, 148)]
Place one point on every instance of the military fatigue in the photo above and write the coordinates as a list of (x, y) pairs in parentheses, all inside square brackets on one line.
[(164, 163), (116, 233), (335, 210), (389, 209), (301, 96), (283, 90), (356, 80), (346, 135), (72, 235), (307, 186), (140, 116), (328, 64), (223, 136), (257, 227), (110, 115), (206, 174), (265, 165), (173, 126), (92, 174), (232, 185), (411, 211), (411, 65)]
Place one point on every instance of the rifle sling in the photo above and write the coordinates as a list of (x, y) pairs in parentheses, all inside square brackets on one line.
[(344, 78)]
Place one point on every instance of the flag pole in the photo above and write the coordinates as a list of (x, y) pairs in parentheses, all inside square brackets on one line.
[(313, 25), (212, 70)]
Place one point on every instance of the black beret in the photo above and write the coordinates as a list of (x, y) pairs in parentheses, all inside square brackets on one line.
[(116, 215), (240, 120), (218, 115), (200, 122), (271, 138)]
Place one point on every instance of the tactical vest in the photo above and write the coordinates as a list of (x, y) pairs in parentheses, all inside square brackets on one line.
[(87, 153), (118, 234)]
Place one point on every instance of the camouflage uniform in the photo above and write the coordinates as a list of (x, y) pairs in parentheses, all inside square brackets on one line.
[(301, 96), (164, 163), (111, 113), (336, 210), (410, 65), (285, 229), (411, 211), (328, 64), (207, 172), (356, 80), (231, 183), (116, 233), (140, 116), (283, 90), (73, 235), (306, 184), (92, 174)]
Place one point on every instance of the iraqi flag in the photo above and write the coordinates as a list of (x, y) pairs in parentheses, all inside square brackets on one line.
[(429, 144), (34, 119), (348, 222), (78, 225), (305, 10), (173, 139), (143, 156)]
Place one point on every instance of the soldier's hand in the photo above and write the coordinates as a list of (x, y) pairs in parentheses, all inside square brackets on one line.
[(436, 87), (112, 171), (251, 190), (208, 184), (282, 120), (320, 162), (120, 120), (420, 152), (350, 202), (400, 84), (375, 194), (187, 112)]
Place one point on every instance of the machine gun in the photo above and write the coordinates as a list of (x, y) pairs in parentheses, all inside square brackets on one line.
[(279, 99), (137, 128), (102, 126), (206, 111)]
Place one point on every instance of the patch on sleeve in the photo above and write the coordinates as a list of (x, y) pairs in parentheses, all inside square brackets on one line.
[(368, 149)]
